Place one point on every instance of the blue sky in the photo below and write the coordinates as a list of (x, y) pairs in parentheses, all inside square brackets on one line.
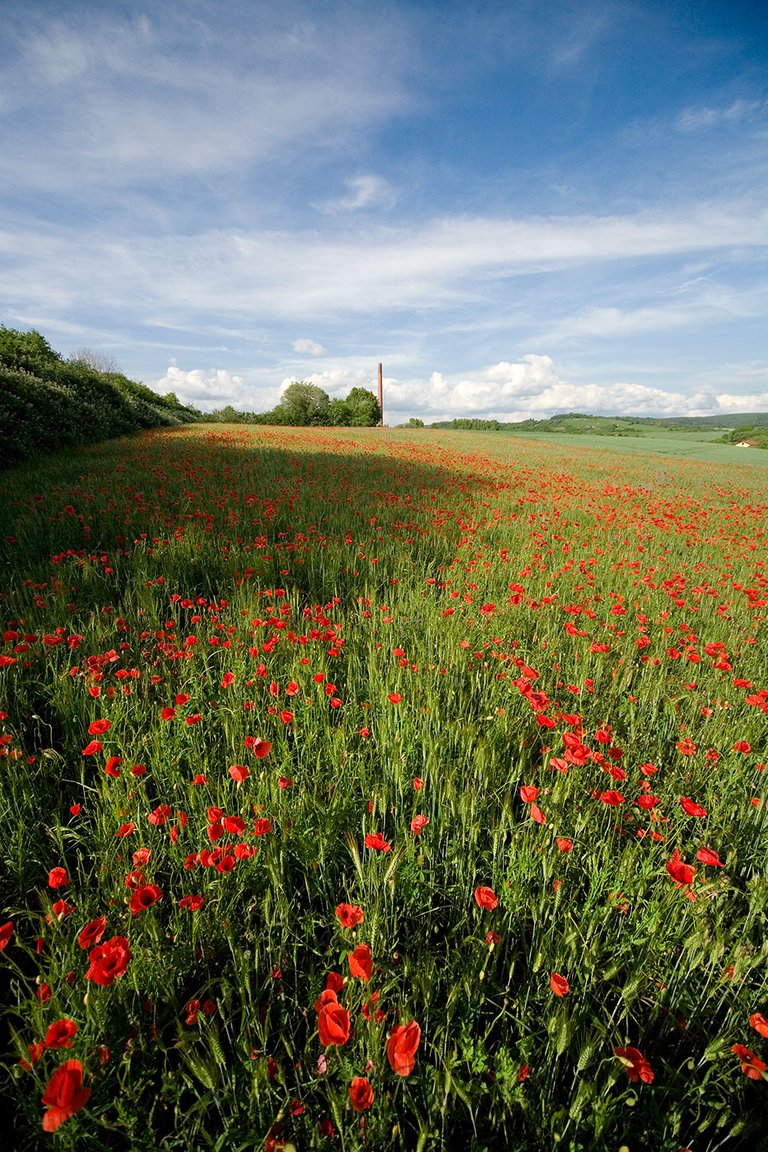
[(519, 208)]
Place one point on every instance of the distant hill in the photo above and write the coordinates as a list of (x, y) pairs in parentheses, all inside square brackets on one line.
[(735, 425)]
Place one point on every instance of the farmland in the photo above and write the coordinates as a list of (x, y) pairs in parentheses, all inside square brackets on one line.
[(389, 790)]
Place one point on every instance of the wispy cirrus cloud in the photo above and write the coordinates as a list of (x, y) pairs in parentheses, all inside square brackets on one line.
[(700, 119), (164, 96), (363, 192), (300, 274)]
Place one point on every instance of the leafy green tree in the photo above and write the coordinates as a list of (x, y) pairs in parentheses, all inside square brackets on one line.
[(415, 422), (304, 403), (339, 415), (364, 411), (28, 351)]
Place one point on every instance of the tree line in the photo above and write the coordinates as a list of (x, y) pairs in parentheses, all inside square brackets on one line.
[(304, 404)]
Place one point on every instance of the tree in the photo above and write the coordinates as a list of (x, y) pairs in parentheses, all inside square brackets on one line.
[(364, 411), (99, 361), (305, 403), (339, 415), (415, 422), (29, 351)]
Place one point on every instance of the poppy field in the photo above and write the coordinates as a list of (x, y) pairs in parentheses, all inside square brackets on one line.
[(374, 790)]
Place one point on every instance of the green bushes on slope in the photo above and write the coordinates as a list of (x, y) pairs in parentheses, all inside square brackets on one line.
[(48, 403)]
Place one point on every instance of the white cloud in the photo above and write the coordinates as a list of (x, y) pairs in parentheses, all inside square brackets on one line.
[(369, 191), (450, 261), (308, 347), (205, 388), (532, 387)]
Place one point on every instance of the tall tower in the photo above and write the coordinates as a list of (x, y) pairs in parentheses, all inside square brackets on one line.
[(381, 395)]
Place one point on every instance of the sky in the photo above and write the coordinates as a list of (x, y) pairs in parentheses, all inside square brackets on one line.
[(519, 207)]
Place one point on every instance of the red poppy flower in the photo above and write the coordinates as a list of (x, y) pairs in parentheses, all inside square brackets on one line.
[(377, 842), (158, 816), (418, 784), (759, 1023), (235, 825), (647, 801), (191, 903), (528, 793), (64, 1095), (92, 748), (333, 1023), (394, 697), (108, 961), (61, 909), (752, 1067), (262, 825), (349, 915), (260, 748), (485, 897), (144, 897), (99, 727), (612, 798), (680, 872), (60, 1034), (334, 981), (360, 1094), (92, 933), (559, 984), (360, 962), (564, 844), (707, 856), (418, 824), (238, 772), (401, 1048), (191, 1012), (537, 814), (6, 932), (57, 878), (35, 1050), (168, 713), (691, 808), (636, 1065)]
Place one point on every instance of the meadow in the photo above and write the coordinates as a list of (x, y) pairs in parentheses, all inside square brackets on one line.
[(376, 790)]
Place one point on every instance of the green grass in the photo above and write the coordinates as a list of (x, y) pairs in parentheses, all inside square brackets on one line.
[(475, 613)]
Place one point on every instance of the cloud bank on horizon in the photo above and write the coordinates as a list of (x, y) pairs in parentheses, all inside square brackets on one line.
[(518, 213)]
